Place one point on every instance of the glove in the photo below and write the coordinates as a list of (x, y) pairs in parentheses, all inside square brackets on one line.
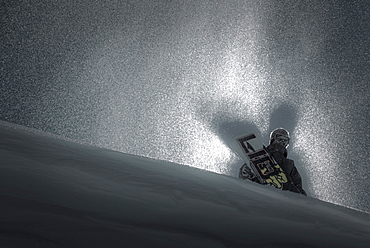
[(246, 173)]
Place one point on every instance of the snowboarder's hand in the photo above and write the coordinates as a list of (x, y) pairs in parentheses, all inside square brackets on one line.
[(246, 173)]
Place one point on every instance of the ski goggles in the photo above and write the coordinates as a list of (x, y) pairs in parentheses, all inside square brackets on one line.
[(283, 140)]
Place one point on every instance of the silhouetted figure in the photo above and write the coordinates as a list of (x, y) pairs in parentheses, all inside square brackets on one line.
[(279, 141)]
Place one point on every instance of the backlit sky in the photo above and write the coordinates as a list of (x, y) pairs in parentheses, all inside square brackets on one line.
[(173, 80)]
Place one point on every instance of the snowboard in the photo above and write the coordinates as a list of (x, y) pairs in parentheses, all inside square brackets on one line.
[(254, 153)]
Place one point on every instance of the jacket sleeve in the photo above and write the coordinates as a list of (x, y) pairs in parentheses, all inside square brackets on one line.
[(296, 177)]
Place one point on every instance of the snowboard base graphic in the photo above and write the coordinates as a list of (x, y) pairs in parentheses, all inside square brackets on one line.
[(253, 152)]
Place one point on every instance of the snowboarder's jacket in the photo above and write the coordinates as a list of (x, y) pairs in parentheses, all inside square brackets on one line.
[(279, 153)]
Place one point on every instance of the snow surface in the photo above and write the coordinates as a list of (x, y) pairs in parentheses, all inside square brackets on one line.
[(55, 193), (165, 79)]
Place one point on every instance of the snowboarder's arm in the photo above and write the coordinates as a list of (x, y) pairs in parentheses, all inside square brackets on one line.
[(297, 180)]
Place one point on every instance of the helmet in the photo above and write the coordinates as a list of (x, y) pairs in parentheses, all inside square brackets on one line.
[(280, 136)]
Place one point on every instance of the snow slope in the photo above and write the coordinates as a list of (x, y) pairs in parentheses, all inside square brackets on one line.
[(55, 193), (164, 79)]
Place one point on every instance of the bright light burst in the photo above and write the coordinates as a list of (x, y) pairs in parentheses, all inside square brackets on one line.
[(161, 78)]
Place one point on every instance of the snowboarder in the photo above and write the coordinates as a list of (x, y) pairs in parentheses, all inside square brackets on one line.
[(279, 141)]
